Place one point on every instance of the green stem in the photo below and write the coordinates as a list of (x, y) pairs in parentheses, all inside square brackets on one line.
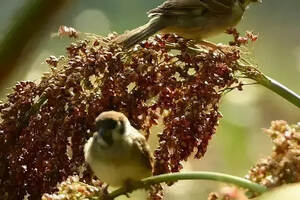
[(281, 90), (271, 84), (145, 183)]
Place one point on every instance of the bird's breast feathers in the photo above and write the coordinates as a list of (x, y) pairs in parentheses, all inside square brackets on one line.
[(124, 160)]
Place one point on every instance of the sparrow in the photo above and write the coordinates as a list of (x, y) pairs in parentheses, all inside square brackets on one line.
[(118, 153), (191, 19)]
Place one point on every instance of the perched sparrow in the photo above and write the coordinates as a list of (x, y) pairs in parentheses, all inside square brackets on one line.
[(191, 19), (117, 152)]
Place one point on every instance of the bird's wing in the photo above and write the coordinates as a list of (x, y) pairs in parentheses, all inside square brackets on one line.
[(175, 8), (190, 7), (140, 145)]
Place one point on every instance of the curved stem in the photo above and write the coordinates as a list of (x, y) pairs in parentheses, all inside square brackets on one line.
[(271, 84), (190, 176), (281, 90)]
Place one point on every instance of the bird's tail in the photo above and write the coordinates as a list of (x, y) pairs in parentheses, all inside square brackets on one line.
[(137, 35)]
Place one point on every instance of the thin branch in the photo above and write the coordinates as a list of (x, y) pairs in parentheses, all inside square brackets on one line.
[(145, 183)]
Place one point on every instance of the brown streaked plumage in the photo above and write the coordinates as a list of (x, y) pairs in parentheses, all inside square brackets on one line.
[(191, 19)]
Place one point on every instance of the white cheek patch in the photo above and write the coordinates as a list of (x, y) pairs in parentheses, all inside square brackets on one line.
[(101, 142), (116, 136)]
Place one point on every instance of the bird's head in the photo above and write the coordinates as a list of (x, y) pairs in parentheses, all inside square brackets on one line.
[(110, 127)]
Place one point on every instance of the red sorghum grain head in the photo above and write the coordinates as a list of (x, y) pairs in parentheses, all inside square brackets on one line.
[(283, 166), (41, 122)]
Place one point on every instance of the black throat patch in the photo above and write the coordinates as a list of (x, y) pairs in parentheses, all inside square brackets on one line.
[(107, 137)]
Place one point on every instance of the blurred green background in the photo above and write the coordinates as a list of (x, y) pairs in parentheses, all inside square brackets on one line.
[(239, 141)]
